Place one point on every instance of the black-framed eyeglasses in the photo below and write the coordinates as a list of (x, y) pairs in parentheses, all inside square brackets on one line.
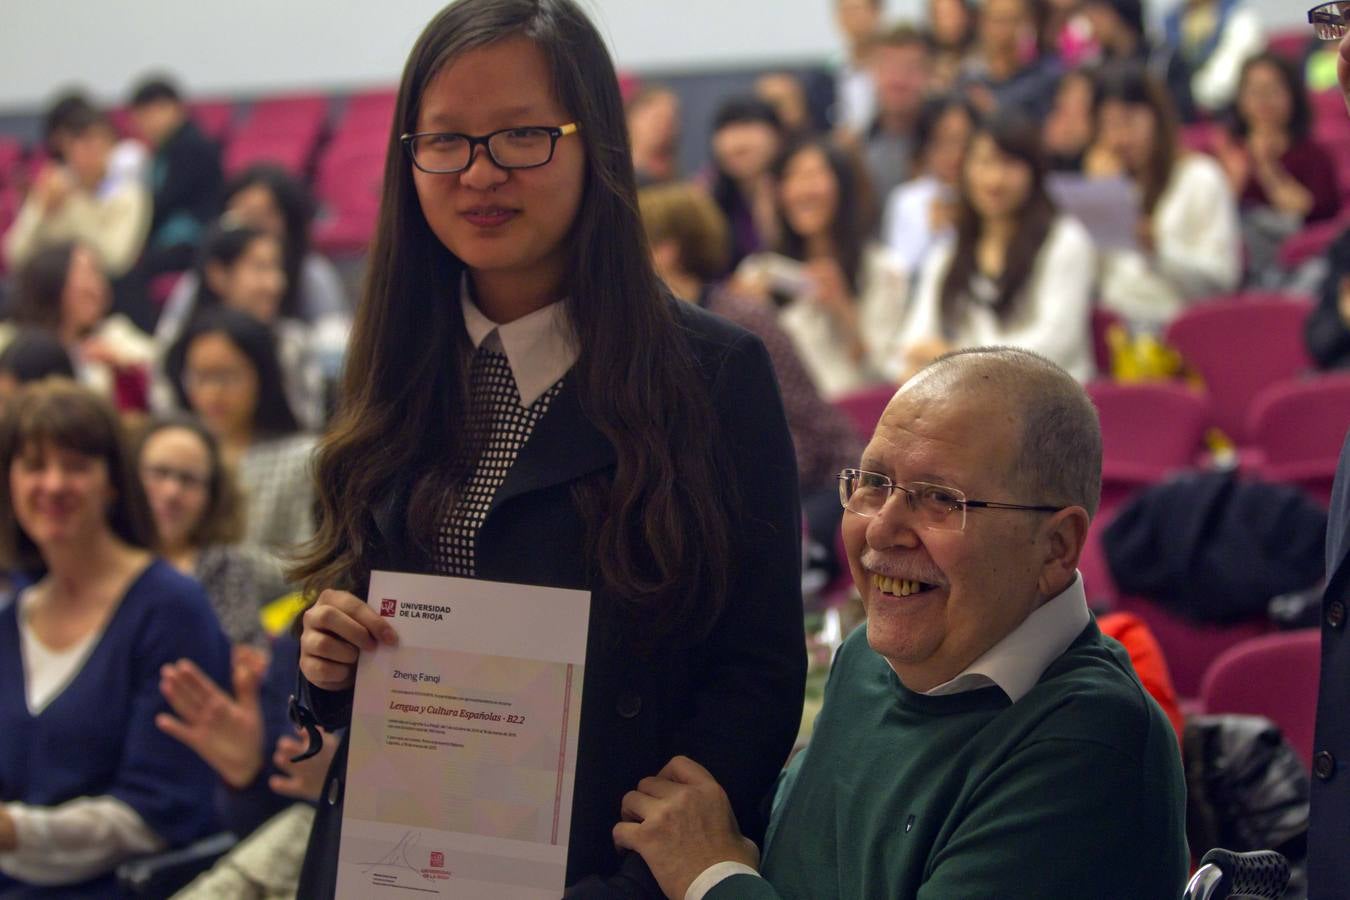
[(938, 507), (522, 147), (1329, 19)]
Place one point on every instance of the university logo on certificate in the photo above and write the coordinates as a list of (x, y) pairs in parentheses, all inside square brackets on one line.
[(463, 742)]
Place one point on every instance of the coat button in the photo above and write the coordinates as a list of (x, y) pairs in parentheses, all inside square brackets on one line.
[(629, 705), (1324, 765), (1336, 614), (334, 791)]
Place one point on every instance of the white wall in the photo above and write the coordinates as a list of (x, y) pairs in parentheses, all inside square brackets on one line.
[(244, 46)]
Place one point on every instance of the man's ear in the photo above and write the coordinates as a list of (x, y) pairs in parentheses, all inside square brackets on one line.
[(1065, 536)]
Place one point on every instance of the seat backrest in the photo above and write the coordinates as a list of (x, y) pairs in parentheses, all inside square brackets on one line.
[(1275, 676), (1240, 346), (864, 407), (1148, 430), (1302, 420)]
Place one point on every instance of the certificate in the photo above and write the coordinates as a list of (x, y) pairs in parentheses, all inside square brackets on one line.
[(463, 742)]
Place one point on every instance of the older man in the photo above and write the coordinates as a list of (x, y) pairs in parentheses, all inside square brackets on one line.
[(979, 737)]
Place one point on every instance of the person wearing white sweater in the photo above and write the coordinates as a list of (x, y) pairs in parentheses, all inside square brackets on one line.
[(1189, 236), (841, 298), (1018, 273)]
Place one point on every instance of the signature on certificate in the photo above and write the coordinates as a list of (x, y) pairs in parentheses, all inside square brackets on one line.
[(397, 858)]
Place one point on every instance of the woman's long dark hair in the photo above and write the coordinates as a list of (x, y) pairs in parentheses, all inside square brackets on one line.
[(1300, 110), (223, 244), (1131, 84), (297, 211), (40, 284), (658, 534), (852, 215), (273, 417), (1020, 139)]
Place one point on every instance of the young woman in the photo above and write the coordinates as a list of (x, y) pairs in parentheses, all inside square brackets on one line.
[(32, 354), (952, 30), (243, 267), (199, 521), (86, 779), (1281, 176), (269, 198), (922, 212), (637, 444), (842, 297), (1018, 273), (1189, 241), (224, 369), (63, 289), (746, 137)]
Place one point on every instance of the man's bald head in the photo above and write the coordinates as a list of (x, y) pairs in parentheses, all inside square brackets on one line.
[(1060, 458)]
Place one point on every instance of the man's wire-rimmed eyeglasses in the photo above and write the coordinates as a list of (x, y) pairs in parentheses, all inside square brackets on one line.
[(939, 507), (1329, 19)]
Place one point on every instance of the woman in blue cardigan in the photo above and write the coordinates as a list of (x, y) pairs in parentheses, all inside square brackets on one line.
[(86, 779)]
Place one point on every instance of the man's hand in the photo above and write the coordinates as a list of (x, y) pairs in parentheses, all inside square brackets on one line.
[(681, 823), (225, 731)]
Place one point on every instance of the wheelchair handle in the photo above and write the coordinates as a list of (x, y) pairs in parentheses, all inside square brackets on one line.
[(1223, 873)]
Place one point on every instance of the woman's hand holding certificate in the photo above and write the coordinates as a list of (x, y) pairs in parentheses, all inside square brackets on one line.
[(337, 628)]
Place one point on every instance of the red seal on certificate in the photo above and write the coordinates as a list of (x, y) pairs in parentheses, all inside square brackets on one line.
[(388, 608), (437, 859)]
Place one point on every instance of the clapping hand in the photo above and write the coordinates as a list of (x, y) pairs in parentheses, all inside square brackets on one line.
[(225, 731), (302, 780)]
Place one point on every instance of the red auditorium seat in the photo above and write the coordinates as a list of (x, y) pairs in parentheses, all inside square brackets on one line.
[(1291, 44), (1190, 647), (1148, 432), (214, 117), (1103, 320), (11, 155), (289, 114), (1313, 241), (1275, 676), (864, 407), (370, 108), (348, 188), (1298, 427), (284, 130), (1240, 345)]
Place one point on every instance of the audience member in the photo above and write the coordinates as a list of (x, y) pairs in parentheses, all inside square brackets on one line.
[(268, 197), (185, 176), (245, 734), (1280, 174), (1189, 241), (225, 369), (951, 26), (68, 115), (31, 354), (901, 67), (841, 295), (746, 137), (687, 235), (242, 267), (653, 116), (1005, 72), (1018, 272), (1071, 126), (86, 779), (854, 93), (84, 198), (1209, 41), (786, 93), (921, 213), (199, 523), (63, 290), (1065, 33), (1117, 28), (1327, 331), (979, 737)]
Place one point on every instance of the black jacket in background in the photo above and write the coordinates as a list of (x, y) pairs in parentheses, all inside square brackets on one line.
[(187, 180), (732, 701)]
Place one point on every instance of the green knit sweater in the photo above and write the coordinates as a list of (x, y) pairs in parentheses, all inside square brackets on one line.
[(1074, 791)]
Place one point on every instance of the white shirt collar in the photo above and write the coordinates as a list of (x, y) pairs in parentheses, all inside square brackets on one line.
[(539, 347), (1017, 662)]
